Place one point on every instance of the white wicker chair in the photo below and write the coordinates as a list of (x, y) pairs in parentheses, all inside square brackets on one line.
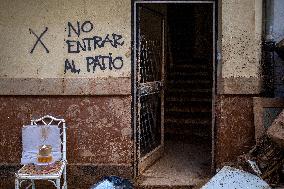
[(26, 173)]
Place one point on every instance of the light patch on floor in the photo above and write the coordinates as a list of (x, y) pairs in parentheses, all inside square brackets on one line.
[(183, 164)]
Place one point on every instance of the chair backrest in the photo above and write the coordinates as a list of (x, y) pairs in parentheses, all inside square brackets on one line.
[(50, 120)]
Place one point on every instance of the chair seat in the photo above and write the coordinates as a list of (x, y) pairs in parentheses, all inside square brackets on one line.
[(54, 172), (40, 172)]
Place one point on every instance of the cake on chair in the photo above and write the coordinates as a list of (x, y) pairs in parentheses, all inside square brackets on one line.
[(44, 155)]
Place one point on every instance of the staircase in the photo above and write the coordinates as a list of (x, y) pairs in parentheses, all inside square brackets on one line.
[(188, 94)]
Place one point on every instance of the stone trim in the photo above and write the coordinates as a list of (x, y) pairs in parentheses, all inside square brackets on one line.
[(65, 86), (239, 85)]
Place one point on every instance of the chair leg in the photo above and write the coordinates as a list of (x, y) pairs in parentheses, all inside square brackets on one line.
[(65, 179), (33, 184), (17, 184), (58, 183)]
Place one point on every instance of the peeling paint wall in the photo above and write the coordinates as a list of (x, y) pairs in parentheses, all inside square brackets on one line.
[(239, 77), (241, 28), (235, 127)]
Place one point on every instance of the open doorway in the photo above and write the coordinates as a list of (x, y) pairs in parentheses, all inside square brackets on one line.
[(174, 90)]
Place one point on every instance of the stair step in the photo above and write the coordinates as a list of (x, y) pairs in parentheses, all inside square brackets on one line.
[(174, 82), (201, 96), (203, 131), (188, 115), (193, 85), (185, 72), (189, 85), (189, 99), (191, 90), (177, 61), (189, 76), (190, 70), (186, 121), (189, 65), (190, 108)]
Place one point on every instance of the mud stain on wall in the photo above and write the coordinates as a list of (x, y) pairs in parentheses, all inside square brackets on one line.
[(99, 128)]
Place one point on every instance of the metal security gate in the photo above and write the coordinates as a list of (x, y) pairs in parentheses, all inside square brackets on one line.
[(148, 80), (149, 86)]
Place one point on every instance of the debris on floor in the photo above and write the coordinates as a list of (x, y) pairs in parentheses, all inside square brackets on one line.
[(229, 177), (264, 160), (261, 166), (113, 182), (276, 130)]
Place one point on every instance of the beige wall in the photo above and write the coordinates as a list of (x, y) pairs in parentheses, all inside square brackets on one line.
[(241, 27), (17, 62), (240, 35)]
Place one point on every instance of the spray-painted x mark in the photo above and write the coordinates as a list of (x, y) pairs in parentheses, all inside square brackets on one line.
[(38, 39)]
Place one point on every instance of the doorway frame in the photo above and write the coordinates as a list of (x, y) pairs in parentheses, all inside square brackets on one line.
[(134, 27)]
